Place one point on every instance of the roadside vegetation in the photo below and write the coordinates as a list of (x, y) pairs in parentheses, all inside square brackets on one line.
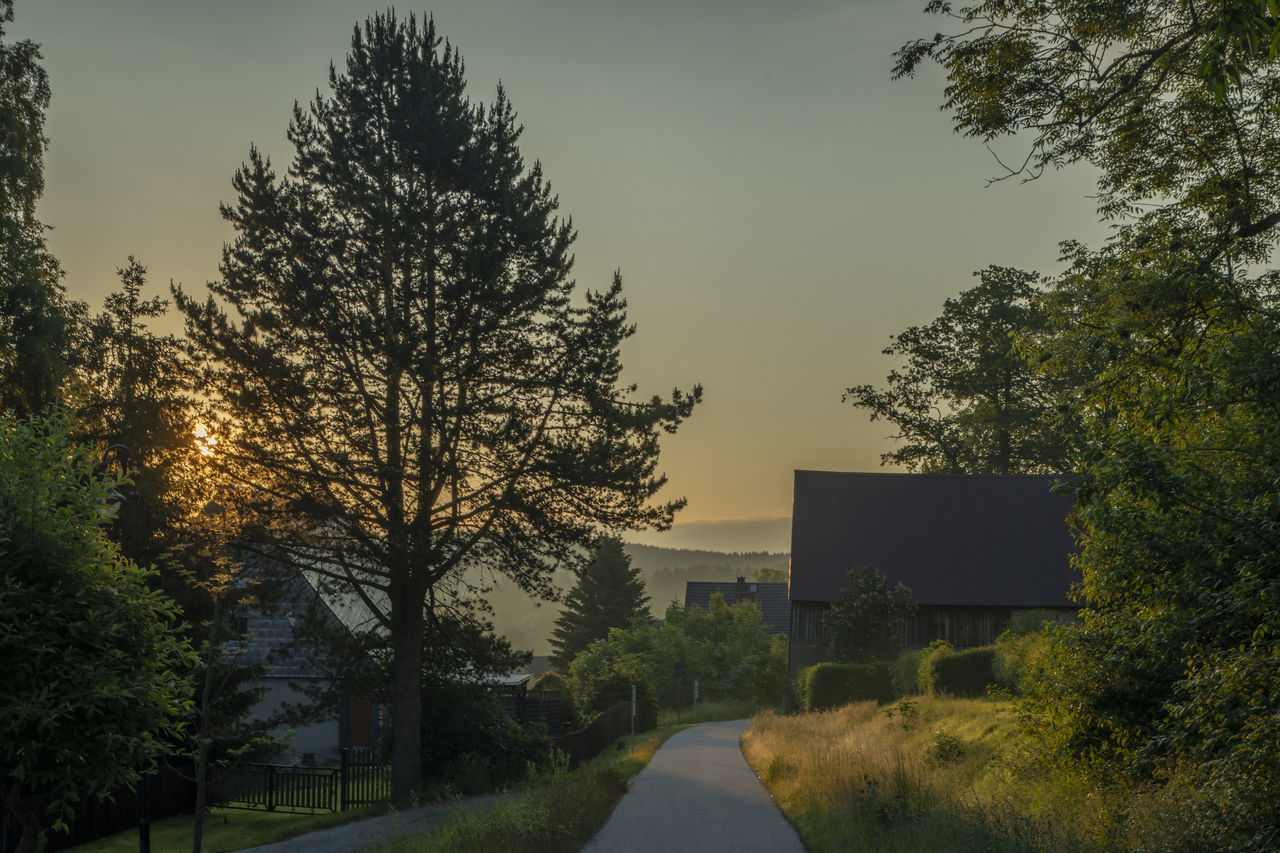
[(935, 773), (558, 810)]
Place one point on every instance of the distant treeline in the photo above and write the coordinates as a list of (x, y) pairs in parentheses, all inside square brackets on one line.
[(528, 623)]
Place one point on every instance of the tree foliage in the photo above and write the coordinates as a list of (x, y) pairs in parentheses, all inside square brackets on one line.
[(967, 401), (1167, 674), (726, 648), (868, 617), (88, 655), (406, 374), (39, 327), (1139, 90), (609, 594)]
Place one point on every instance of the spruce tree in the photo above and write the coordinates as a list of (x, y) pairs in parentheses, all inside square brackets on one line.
[(609, 594)]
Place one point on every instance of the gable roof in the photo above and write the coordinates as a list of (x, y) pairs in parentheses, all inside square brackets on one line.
[(771, 598), (981, 539)]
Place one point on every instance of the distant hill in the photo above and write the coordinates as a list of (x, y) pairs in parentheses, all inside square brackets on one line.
[(651, 558), (528, 623)]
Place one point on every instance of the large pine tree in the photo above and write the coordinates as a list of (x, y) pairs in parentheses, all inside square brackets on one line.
[(609, 594), (413, 385)]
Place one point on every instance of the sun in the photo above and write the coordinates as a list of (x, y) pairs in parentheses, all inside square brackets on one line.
[(205, 441)]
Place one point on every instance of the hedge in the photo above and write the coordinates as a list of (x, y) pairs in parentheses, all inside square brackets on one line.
[(966, 673), (829, 685)]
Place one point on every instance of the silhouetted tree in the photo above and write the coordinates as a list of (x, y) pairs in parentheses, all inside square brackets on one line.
[(967, 401), (412, 386), (38, 326), (609, 594)]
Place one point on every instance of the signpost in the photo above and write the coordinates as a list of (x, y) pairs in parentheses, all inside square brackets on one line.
[(679, 673)]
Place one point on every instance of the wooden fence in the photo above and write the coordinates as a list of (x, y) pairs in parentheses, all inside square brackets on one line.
[(586, 744)]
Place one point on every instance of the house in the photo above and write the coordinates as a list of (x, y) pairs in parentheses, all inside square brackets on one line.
[(770, 597), (974, 550), (289, 666)]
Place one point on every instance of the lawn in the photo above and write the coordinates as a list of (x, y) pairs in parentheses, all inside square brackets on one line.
[(225, 830)]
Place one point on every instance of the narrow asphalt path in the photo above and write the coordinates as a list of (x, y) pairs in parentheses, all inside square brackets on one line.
[(698, 793), (363, 834)]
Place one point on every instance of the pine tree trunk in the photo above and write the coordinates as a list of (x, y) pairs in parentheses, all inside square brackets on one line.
[(406, 719)]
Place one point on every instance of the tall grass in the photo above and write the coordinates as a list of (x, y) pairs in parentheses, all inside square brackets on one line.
[(941, 774)]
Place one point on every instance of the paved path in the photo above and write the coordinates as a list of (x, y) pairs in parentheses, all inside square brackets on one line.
[(698, 794), (362, 834)]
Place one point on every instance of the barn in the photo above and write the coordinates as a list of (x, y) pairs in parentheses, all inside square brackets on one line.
[(974, 550)]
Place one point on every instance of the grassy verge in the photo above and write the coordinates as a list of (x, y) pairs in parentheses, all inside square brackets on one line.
[(708, 712), (225, 830), (558, 811), (939, 774)]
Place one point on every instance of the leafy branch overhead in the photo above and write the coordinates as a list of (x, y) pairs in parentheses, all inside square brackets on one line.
[(1171, 101)]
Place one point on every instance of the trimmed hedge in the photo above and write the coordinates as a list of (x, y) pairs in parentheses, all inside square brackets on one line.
[(931, 654), (966, 673), (829, 685)]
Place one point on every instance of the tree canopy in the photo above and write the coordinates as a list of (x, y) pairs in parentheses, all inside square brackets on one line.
[(1173, 328), (967, 401), (39, 327), (408, 377)]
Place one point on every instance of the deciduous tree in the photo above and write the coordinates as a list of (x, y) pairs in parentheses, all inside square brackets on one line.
[(89, 659), (867, 618), (39, 326), (410, 380), (967, 401)]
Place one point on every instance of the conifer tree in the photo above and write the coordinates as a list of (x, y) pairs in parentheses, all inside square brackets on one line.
[(609, 594), (410, 381)]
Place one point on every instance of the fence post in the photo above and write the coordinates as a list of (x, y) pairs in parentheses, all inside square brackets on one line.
[(271, 788), (343, 779)]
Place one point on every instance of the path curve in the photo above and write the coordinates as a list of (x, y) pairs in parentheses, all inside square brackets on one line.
[(698, 793)]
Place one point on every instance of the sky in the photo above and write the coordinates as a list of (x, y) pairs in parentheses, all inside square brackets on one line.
[(778, 207)]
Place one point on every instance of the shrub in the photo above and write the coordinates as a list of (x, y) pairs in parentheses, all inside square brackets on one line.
[(944, 748), (906, 673), (829, 685), (932, 653), (469, 742), (1015, 658), (966, 673)]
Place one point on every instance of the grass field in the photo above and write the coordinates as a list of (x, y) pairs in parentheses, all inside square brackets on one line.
[(941, 774)]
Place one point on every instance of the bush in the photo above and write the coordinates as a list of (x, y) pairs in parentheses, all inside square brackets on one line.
[(906, 673), (966, 673), (617, 688), (932, 653), (470, 744), (1015, 659), (829, 685)]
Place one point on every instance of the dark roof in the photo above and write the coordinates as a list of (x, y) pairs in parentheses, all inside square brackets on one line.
[(771, 597), (997, 540)]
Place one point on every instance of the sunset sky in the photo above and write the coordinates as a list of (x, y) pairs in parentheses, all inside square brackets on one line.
[(777, 206)]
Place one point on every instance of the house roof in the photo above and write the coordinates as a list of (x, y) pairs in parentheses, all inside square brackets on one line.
[(996, 540), (771, 598)]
